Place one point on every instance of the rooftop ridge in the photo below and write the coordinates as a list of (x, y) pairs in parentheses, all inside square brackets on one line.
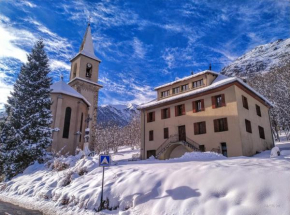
[(186, 78)]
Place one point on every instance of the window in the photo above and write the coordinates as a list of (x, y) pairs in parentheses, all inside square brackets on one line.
[(165, 93), (81, 127), (151, 153), (198, 105), (261, 132), (245, 102), (66, 123), (165, 113), (75, 71), (224, 149), (184, 87), (218, 101), (198, 83), (89, 70), (180, 110), (201, 148), (199, 128), (220, 125), (151, 134), (151, 117), (248, 126), (166, 133), (175, 90), (258, 110)]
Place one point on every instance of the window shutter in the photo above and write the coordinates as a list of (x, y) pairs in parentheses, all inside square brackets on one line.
[(169, 112), (216, 125), (147, 117), (202, 104), (213, 102), (176, 111), (195, 128), (226, 124), (223, 100), (153, 116), (194, 107), (183, 109), (204, 127), (162, 114)]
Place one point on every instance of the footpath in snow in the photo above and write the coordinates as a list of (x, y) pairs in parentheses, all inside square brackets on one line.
[(197, 183)]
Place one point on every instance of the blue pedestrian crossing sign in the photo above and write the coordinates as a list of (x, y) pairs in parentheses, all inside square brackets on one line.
[(105, 160)]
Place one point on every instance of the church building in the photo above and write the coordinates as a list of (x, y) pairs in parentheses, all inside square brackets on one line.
[(74, 106)]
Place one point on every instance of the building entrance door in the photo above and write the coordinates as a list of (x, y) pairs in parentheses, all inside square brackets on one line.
[(181, 133)]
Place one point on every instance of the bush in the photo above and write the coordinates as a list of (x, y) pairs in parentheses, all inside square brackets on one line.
[(66, 180), (59, 165), (82, 171)]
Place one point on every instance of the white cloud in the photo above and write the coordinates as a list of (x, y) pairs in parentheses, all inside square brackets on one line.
[(59, 65), (29, 4), (11, 39), (125, 90), (4, 89)]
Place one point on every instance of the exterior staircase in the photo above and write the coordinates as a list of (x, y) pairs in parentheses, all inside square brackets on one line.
[(174, 139)]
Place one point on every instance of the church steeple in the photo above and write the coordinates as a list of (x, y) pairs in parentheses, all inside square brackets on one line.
[(87, 46), (84, 78)]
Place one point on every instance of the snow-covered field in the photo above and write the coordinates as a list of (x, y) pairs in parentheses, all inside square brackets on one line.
[(197, 183)]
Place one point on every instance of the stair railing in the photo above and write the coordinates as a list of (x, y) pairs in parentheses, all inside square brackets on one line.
[(171, 139)]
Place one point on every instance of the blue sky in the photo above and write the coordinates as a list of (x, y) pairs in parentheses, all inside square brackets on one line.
[(142, 44)]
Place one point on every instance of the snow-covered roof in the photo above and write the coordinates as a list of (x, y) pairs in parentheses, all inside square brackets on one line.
[(62, 87), (87, 47), (91, 82), (221, 80), (186, 78)]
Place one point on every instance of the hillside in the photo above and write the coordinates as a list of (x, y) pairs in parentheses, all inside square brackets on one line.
[(261, 59), (197, 183), (117, 114)]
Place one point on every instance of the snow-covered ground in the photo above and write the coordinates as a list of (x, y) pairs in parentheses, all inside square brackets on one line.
[(197, 183)]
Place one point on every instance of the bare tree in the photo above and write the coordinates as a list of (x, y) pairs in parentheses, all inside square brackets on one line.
[(111, 136)]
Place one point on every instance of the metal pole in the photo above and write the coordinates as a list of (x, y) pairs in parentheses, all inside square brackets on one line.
[(102, 188)]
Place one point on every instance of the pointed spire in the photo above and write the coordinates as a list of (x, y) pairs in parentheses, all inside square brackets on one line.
[(87, 47)]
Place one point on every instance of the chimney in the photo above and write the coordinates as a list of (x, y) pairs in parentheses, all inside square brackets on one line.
[(191, 72), (209, 68)]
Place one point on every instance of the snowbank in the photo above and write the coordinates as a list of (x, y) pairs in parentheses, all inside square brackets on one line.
[(197, 183)]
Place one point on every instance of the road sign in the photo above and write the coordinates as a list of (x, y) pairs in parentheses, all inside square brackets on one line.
[(105, 160)]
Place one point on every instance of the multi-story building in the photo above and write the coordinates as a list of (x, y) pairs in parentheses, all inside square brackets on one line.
[(206, 111)]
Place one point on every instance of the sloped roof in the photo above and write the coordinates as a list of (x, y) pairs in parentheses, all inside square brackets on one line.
[(63, 88), (82, 79), (87, 46), (186, 78), (221, 80)]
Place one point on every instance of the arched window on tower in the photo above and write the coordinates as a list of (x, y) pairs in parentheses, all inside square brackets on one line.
[(75, 70), (66, 123), (89, 70)]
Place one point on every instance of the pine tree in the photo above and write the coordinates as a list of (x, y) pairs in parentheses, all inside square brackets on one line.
[(27, 133)]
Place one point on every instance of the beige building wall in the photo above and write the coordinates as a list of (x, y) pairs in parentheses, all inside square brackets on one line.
[(58, 108), (252, 142), (208, 78), (238, 141), (211, 139)]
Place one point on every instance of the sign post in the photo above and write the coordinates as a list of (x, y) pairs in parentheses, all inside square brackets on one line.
[(104, 160)]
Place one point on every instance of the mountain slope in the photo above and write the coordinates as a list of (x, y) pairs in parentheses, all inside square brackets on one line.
[(263, 58), (117, 114)]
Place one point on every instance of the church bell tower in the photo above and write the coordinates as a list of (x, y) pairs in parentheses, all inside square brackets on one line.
[(84, 77)]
